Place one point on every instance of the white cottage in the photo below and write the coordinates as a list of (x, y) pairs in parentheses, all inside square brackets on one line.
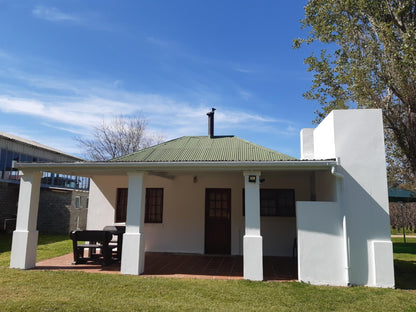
[(224, 195)]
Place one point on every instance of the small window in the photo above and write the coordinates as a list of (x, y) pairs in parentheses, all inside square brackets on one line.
[(275, 203), (154, 205), (77, 202), (121, 209)]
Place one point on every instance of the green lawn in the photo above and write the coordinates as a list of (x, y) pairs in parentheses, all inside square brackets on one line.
[(49, 246), (405, 262), (77, 291), (400, 231)]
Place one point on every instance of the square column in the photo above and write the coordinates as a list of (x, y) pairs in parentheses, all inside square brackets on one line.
[(25, 237), (132, 258), (253, 241)]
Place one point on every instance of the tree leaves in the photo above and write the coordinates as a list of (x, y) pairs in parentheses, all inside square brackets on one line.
[(372, 63)]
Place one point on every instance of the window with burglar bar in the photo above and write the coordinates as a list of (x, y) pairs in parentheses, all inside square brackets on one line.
[(153, 205)]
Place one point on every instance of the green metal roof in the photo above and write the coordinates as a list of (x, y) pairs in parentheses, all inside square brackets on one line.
[(205, 148)]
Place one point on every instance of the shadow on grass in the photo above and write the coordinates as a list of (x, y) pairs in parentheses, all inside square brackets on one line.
[(405, 274), (405, 264), (44, 239), (5, 242), (408, 248)]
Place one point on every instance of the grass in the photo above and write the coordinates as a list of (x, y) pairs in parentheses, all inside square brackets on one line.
[(404, 262), (78, 291), (49, 246), (72, 291), (400, 231)]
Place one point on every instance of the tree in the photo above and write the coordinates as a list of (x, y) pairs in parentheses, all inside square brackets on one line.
[(371, 63), (399, 173), (118, 137)]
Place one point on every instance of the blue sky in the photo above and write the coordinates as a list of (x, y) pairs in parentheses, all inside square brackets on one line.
[(65, 66)]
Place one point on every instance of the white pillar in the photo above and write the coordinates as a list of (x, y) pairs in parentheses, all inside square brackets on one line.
[(253, 242), (132, 258), (25, 237)]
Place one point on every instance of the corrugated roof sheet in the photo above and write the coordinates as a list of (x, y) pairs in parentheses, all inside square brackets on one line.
[(35, 144), (204, 148)]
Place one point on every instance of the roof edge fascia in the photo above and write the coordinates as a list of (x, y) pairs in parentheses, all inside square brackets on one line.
[(136, 166)]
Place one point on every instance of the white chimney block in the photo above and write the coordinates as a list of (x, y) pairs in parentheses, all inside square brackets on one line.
[(306, 143)]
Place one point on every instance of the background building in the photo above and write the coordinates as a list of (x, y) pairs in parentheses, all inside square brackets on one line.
[(63, 198)]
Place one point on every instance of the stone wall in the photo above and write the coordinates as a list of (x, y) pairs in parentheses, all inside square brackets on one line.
[(57, 214)]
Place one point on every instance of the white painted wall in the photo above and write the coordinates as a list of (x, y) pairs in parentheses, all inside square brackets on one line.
[(325, 185), (102, 200), (306, 143), (183, 226), (320, 244), (324, 139), (355, 137)]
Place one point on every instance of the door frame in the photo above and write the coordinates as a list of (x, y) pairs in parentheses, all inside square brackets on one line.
[(210, 223)]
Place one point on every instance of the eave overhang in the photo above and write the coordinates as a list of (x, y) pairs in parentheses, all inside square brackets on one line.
[(104, 168)]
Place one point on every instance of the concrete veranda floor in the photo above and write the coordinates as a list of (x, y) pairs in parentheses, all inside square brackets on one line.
[(185, 266)]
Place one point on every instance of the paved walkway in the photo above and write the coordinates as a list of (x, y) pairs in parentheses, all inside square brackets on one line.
[(185, 266), (407, 235)]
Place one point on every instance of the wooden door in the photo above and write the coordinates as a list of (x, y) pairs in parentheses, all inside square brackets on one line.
[(218, 221)]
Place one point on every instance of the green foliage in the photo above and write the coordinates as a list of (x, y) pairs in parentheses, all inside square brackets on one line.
[(370, 62)]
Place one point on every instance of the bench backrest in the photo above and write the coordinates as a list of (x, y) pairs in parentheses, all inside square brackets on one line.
[(91, 235), (115, 228)]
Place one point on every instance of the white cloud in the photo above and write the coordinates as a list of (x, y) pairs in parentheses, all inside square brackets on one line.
[(76, 105), (66, 146), (157, 41), (118, 83), (88, 19), (245, 95), (5, 56), (166, 116), (54, 15), (242, 69)]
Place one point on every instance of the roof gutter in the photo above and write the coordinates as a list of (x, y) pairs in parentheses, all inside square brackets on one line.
[(137, 166)]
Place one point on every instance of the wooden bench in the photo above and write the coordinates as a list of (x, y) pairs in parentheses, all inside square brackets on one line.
[(92, 240), (116, 230)]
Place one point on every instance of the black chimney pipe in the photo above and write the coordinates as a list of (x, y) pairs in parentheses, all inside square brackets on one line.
[(211, 123)]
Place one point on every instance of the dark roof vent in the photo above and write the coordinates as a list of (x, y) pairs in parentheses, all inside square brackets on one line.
[(211, 123)]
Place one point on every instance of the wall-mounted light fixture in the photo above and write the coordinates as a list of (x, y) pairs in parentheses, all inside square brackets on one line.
[(252, 178), (195, 179)]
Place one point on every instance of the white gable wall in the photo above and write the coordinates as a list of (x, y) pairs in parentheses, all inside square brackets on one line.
[(355, 138), (359, 142)]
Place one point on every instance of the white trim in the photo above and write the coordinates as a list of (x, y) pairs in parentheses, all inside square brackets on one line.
[(85, 168)]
